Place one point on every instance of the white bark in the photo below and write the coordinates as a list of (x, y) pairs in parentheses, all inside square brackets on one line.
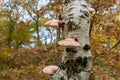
[(76, 11)]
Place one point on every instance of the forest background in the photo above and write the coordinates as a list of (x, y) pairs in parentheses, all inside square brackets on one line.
[(27, 46)]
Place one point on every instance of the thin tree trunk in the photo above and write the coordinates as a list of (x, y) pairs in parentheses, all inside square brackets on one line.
[(37, 31), (10, 33), (76, 62)]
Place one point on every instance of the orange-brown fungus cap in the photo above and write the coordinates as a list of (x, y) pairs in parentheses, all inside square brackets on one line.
[(50, 69), (69, 42), (53, 23)]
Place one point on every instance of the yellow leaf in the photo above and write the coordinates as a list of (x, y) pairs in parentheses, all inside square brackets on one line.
[(117, 17)]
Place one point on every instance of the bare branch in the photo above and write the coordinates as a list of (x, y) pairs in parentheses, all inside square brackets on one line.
[(115, 45)]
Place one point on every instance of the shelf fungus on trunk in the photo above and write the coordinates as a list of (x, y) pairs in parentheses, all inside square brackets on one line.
[(69, 43), (92, 11), (58, 24), (55, 23), (50, 70)]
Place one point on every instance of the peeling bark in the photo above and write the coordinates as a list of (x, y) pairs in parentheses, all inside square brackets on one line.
[(76, 62)]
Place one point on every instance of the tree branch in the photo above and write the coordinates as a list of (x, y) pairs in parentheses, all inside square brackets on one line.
[(115, 45)]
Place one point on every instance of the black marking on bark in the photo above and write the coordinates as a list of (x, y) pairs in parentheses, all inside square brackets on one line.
[(66, 2), (76, 39), (75, 68), (62, 66), (74, 79), (69, 24), (68, 50), (71, 17), (84, 63), (70, 14), (71, 50), (60, 17), (78, 60), (79, 22), (80, 10), (82, 16), (72, 67), (86, 47), (80, 19), (86, 14), (91, 27), (84, 5), (88, 21), (69, 10), (74, 50), (81, 61), (79, 70), (62, 26), (62, 78)]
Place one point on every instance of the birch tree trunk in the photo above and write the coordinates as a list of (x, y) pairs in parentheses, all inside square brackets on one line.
[(77, 62)]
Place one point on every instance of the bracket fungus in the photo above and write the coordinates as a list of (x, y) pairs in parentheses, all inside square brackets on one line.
[(50, 70), (69, 42), (53, 23), (92, 10)]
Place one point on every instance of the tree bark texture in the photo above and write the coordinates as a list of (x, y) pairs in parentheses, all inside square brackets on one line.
[(76, 62)]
